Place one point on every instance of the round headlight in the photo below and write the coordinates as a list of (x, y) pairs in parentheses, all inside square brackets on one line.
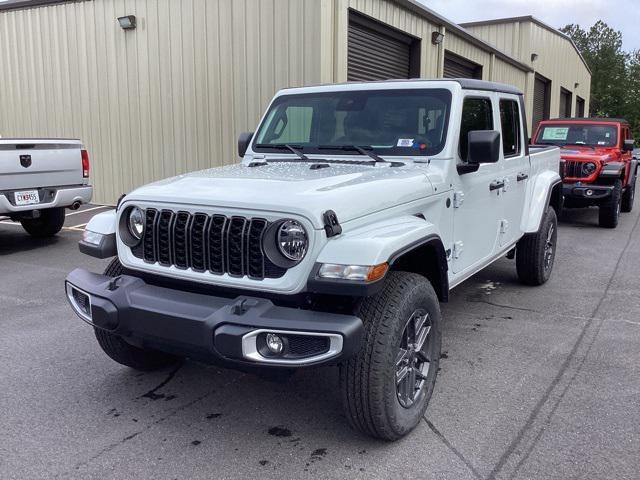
[(588, 168), (292, 240), (136, 222)]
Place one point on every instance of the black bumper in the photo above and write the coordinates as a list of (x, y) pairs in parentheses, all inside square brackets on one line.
[(587, 192), (206, 327)]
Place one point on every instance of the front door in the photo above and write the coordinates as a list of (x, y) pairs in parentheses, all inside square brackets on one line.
[(477, 202), (516, 169)]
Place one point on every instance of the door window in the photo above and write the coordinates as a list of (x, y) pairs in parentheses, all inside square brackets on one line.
[(476, 115), (510, 123)]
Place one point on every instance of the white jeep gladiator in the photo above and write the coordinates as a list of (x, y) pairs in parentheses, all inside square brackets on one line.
[(356, 208), (39, 178)]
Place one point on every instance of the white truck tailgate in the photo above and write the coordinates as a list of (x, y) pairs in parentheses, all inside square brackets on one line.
[(32, 163)]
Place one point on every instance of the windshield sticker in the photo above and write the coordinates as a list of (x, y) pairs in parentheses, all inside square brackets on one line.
[(555, 133), (405, 142)]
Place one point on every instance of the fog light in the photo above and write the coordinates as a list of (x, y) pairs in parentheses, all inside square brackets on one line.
[(274, 343), (588, 193)]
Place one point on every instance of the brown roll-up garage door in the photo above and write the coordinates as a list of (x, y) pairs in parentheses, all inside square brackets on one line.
[(540, 101), (378, 52), (565, 103), (458, 67)]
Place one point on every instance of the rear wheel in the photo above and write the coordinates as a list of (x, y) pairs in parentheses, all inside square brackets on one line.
[(47, 224), (114, 346), (628, 197), (536, 252), (386, 388), (610, 212)]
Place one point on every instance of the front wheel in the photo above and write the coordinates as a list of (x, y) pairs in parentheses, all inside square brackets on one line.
[(536, 252), (609, 213), (386, 388), (47, 224)]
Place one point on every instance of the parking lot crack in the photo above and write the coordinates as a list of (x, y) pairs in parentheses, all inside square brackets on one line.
[(453, 449), (530, 422), (152, 393), (500, 305)]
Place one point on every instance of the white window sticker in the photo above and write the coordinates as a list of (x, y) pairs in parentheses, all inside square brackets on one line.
[(555, 133), (405, 142)]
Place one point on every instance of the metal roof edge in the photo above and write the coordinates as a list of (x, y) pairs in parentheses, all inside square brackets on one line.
[(458, 30), (532, 19)]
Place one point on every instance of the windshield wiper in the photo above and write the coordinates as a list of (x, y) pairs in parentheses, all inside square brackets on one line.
[(361, 149), (286, 146)]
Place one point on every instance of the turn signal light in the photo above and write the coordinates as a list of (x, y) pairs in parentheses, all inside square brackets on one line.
[(363, 273), (85, 163)]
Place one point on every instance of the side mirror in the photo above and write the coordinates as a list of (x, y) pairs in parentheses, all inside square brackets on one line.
[(243, 142), (628, 145), (484, 146)]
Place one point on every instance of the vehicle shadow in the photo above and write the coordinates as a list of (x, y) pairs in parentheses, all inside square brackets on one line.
[(579, 217), (14, 239)]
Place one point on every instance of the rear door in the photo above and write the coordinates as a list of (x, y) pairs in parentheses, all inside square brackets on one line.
[(477, 205), (30, 163), (516, 167)]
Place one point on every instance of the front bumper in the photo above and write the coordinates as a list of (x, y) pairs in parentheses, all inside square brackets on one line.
[(210, 328), (51, 197), (587, 192)]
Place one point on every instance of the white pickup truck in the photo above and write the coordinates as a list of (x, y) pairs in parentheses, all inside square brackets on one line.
[(39, 178), (356, 208)]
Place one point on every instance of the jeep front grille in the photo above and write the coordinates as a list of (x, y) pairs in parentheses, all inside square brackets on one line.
[(571, 169), (213, 243)]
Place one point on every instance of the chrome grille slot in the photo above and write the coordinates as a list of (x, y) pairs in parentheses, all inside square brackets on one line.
[(207, 243)]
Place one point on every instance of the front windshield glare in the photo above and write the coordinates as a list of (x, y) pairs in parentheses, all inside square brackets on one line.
[(391, 122), (576, 134)]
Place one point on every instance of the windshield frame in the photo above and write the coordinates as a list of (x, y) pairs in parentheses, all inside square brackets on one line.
[(396, 151), (561, 143)]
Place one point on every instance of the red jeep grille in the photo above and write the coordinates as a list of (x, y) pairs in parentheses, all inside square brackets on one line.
[(571, 169)]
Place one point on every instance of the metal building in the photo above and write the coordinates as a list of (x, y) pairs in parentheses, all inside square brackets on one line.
[(562, 79), (168, 89)]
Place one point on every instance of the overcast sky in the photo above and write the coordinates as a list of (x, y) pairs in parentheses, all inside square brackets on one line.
[(623, 15)]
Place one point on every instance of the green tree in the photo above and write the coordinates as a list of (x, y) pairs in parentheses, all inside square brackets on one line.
[(601, 47), (633, 93)]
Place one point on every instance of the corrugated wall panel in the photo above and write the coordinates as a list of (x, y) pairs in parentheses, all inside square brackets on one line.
[(504, 72), (166, 98), (461, 47)]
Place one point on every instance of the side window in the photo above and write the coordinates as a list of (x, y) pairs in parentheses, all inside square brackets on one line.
[(476, 115), (510, 123)]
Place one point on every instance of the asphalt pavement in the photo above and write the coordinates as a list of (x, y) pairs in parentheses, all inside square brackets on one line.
[(535, 383)]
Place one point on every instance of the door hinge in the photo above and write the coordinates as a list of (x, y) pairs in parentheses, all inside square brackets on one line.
[(457, 249), (458, 199), (504, 226)]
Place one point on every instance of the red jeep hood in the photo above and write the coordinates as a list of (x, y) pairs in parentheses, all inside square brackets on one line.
[(586, 154)]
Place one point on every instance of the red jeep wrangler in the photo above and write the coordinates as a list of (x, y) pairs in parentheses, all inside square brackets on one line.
[(597, 166)]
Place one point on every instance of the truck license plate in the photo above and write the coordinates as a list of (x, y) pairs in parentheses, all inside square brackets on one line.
[(28, 197)]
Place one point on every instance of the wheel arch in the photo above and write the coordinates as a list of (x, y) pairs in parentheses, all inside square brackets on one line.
[(426, 257)]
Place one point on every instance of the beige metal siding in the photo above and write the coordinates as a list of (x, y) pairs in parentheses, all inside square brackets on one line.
[(166, 98), (465, 49), (506, 73)]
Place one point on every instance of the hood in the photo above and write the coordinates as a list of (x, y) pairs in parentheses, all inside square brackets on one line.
[(587, 154), (351, 191)]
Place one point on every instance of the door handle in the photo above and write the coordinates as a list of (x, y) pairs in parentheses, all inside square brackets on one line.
[(521, 177), (496, 185)]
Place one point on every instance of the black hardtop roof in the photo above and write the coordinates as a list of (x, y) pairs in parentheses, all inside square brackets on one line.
[(587, 119)]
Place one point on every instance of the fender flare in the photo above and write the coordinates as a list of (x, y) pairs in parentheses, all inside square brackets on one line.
[(547, 190), (612, 170), (388, 241)]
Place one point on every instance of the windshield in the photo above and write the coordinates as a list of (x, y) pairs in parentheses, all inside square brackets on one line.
[(578, 134), (391, 122)]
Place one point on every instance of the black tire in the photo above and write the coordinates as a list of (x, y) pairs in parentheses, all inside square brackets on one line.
[(610, 212), (536, 252), (48, 224), (628, 197), (122, 352), (370, 393)]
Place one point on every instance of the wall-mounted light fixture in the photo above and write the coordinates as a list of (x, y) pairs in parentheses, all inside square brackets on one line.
[(437, 37), (576, 85), (128, 22), (534, 57)]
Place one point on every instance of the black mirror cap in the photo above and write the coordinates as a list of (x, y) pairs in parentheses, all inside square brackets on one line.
[(628, 145), (484, 146), (243, 142)]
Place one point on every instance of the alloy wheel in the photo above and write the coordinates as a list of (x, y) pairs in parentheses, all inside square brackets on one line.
[(413, 359)]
